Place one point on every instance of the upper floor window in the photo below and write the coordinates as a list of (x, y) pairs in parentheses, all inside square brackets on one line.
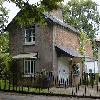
[(30, 35)]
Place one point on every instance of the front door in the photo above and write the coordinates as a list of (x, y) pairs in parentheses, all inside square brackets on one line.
[(63, 70)]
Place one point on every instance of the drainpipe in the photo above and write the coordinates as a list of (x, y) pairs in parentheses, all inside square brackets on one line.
[(94, 66), (82, 68), (82, 71)]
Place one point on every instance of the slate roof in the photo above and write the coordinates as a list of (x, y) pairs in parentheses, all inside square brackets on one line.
[(47, 16), (70, 51), (60, 22)]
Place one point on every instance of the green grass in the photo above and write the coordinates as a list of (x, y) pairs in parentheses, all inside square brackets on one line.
[(5, 85)]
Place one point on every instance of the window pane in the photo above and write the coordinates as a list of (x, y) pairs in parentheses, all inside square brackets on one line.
[(32, 30), (28, 34), (31, 66), (28, 66), (33, 38), (25, 66)]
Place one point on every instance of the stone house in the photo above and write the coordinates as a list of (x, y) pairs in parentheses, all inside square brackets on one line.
[(53, 47)]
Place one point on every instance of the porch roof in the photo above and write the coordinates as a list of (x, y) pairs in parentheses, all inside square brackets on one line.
[(68, 51), (26, 55)]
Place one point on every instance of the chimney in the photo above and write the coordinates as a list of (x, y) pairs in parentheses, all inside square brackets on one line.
[(57, 13)]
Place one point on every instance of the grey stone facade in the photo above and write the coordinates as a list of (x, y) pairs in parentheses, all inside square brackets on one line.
[(46, 37), (43, 45)]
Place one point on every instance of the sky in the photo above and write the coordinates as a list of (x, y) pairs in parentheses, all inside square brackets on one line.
[(13, 10)]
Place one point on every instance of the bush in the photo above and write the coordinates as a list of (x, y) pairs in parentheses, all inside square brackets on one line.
[(96, 78), (43, 78), (6, 63)]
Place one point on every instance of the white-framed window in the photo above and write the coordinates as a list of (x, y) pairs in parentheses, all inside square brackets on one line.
[(29, 67), (30, 35)]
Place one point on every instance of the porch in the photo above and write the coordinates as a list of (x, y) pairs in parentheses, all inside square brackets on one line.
[(69, 62)]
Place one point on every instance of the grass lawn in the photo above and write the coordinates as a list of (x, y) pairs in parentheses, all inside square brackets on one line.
[(4, 84)]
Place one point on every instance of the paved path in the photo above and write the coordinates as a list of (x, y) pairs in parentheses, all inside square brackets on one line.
[(17, 96), (89, 90)]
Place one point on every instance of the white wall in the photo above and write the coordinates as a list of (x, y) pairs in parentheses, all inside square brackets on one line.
[(91, 65), (63, 68)]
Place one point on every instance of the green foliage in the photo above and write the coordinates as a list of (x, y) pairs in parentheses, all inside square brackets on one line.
[(96, 78), (43, 78), (32, 12), (84, 42), (3, 16), (83, 15), (95, 49), (4, 43), (75, 68), (6, 61)]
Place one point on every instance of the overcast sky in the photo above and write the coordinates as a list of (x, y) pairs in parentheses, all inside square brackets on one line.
[(14, 10)]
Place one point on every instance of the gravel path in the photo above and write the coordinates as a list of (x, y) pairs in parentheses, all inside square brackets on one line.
[(17, 96), (89, 90)]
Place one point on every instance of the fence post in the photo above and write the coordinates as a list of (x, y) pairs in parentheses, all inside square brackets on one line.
[(87, 79), (9, 81), (71, 78), (28, 88), (76, 88), (59, 82), (0, 80), (13, 81), (80, 81), (31, 79), (92, 80), (57, 79), (16, 81), (85, 89), (67, 81), (72, 91), (65, 84), (5, 82)]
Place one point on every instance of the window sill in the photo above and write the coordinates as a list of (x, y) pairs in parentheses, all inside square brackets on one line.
[(29, 43), (28, 76)]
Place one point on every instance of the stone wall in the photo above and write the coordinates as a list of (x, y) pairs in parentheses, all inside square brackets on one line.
[(43, 45)]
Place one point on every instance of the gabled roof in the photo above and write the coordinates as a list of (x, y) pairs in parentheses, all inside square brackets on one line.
[(60, 22), (46, 16)]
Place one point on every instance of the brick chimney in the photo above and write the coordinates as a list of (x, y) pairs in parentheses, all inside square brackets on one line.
[(57, 13)]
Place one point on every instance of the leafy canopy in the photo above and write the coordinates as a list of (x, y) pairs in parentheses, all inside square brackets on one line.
[(32, 12), (83, 15), (3, 16)]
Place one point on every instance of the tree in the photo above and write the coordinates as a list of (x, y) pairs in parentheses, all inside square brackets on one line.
[(84, 42), (4, 43), (29, 13), (32, 12), (6, 61), (3, 16), (83, 15)]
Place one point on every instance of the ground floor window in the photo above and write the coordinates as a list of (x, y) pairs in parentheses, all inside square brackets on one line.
[(29, 66)]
